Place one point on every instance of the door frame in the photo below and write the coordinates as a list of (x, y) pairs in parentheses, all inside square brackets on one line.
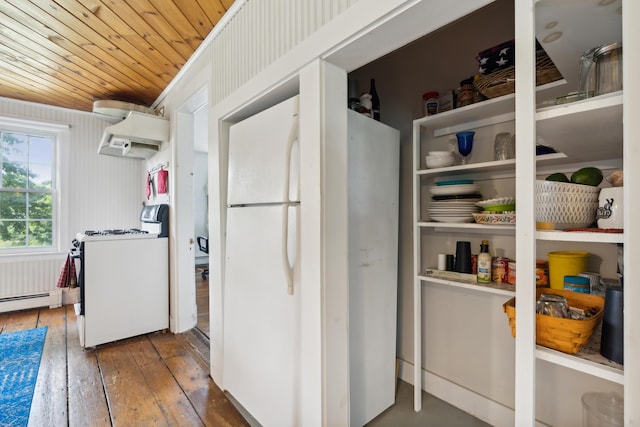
[(183, 307)]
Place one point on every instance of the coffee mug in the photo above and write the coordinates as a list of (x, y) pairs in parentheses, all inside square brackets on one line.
[(610, 208)]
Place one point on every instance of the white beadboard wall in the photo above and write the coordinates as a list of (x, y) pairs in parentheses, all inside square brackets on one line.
[(106, 192), (96, 192), (28, 277), (269, 28)]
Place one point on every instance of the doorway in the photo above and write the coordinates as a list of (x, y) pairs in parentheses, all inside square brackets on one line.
[(189, 208), (201, 216)]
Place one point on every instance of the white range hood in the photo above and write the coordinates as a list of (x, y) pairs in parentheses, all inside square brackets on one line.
[(137, 136)]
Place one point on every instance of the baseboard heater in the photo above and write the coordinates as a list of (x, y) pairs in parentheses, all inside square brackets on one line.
[(51, 299)]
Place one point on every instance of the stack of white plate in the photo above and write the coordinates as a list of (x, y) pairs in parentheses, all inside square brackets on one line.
[(454, 201)]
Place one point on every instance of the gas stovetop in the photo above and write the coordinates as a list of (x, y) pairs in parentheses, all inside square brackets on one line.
[(115, 234)]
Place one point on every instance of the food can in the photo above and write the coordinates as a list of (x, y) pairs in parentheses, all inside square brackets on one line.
[(577, 284), (499, 267), (431, 103), (465, 95), (511, 273), (542, 273)]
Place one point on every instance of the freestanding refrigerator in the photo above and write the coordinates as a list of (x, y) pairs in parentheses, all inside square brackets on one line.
[(262, 332)]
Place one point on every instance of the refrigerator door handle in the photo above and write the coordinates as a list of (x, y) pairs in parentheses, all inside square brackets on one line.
[(288, 269), (293, 136)]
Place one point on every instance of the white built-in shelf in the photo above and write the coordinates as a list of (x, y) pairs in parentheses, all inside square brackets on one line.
[(579, 236), (491, 288), (468, 227), (593, 123), (499, 165), (598, 367), (485, 113), (486, 167), (586, 131)]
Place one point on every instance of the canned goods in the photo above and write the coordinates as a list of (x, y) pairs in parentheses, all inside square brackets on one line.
[(542, 273), (465, 95), (499, 267), (511, 273), (577, 284), (431, 103), (474, 264)]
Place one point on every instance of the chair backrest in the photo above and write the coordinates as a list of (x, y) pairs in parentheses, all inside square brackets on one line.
[(203, 244)]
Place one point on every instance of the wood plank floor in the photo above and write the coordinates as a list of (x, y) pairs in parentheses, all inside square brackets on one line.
[(202, 300), (158, 379)]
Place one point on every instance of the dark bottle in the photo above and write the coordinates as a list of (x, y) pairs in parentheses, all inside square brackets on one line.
[(375, 101)]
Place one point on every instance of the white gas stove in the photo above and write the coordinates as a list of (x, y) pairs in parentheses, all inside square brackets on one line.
[(124, 279)]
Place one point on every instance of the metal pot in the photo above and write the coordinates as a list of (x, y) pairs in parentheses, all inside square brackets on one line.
[(601, 70)]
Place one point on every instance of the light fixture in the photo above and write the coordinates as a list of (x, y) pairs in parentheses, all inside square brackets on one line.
[(551, 25), (552, 37)]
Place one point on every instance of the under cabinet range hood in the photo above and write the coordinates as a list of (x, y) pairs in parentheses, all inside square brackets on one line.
[(137, 136)]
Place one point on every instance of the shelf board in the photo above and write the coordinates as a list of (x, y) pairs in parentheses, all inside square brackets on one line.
[(579, 236), (492, 166), (504, 289), (578, 363), (593, 123), (595, 104), (483, 113), (468, 227)]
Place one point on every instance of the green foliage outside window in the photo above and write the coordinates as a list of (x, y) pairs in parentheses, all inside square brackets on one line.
[(26, 191)]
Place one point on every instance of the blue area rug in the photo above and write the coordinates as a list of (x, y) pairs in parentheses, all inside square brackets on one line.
[(20, 354)]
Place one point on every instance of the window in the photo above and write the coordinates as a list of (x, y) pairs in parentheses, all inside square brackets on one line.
[(27, 189)]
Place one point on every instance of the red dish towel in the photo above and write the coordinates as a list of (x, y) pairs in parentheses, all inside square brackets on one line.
[(163, 175), (68, 276)]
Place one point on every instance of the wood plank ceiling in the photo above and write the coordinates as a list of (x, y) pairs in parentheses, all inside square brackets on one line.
[(69, 53)]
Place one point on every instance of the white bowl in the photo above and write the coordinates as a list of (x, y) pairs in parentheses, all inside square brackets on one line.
[(438, 162), (440, 154), (566, 204)]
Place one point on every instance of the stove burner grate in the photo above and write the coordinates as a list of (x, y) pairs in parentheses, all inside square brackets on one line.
[(114, 232)]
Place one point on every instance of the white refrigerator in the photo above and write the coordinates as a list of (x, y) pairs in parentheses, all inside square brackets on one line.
[(262, 333)]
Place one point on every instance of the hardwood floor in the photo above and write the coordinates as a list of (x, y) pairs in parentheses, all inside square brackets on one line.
[(158, 379), (202, 301)]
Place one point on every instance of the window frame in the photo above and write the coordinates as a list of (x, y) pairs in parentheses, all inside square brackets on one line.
[(59, 134)]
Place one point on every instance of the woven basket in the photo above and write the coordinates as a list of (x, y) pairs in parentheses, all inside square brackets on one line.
[(565, 335), (503, 82)]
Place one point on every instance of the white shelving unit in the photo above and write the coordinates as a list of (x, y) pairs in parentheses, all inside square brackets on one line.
[(587, 132)]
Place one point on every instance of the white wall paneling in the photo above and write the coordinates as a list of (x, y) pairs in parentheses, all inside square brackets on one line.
[(29, 277), (96, 192)]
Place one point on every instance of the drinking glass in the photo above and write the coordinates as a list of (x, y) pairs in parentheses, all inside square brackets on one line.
[(465, 144)]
